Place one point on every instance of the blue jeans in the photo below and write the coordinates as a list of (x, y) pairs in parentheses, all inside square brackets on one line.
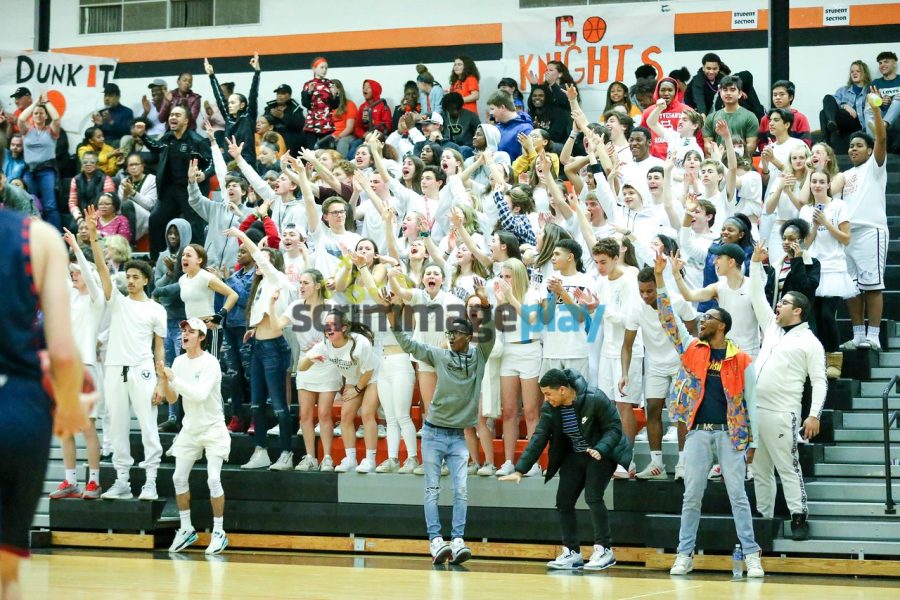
[(172, 347), (439, 444), (269, 360), (698, 460), (42, 184), (235, 361)]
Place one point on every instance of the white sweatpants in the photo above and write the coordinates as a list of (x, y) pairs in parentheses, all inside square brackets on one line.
[(396, 379), (777, 449), (137, 387)]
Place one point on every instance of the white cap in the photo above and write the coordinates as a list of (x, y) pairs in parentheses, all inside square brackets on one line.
[(435, 118), (195, 324)]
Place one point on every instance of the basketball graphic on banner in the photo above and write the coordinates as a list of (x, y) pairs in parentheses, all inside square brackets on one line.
[(594, 29)]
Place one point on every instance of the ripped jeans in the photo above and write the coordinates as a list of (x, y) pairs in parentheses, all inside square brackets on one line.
[(269, 360)]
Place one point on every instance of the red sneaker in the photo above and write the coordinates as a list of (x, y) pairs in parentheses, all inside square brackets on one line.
[(251, 430), (91, 491), (66, 490), (236, 425)]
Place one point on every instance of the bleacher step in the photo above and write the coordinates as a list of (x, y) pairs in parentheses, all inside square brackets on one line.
[(865, 435), (849, 490), (848, 509), (857, 454), (854, 470), (850, 529), (855, 548)]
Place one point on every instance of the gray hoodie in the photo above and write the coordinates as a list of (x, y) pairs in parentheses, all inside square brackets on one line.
[(221, 250), (459, 375), (166, 289), (492, 139)]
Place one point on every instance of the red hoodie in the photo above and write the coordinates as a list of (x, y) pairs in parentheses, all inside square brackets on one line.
[(373, 114), (668, 118)]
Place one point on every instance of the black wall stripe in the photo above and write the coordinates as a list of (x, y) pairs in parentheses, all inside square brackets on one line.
[(816, 36)]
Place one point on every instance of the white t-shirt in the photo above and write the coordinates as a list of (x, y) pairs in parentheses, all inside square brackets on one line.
[(724, 209), (681, 146), (131, 329), (328, 248), (293, 267), (196, 295), (199, 381), (364, 357), (519, 331), (565, 337), (748, 197), (744, 326), (826, 248), (782, 152), (864, 189), (660, 355), (619, 297), (446, 306)]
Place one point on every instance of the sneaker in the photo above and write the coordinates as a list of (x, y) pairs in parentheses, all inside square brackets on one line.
[(622, 473), (748, 476), (754, 565), (602, 558), (120, 490), (382, 431), (487, 470), (347, 464), (419, 433), (366, 466), (259, 460), (472, 468), (851, 344), (148, 492), (569, 560), (445, 470), (236, 425), (506, 468), (864, 344), (684, 564), (169, 426), (274, 431), (327, 465), (679, 472), (183, 539), (307, 463), (218, 541), (316, 430), (91, 491), (715, 474), (440, 551), (391, 465), (66, 490), (641, 436), (336, 432), (671, 435), (409, 466), (251, 430), (873, 344), (285, 462), (459, 552), (360, 432), (419, 470), (653, 471), (534, 471), (799, 527)]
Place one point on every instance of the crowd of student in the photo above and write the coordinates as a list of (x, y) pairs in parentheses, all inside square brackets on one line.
[(281, 234)]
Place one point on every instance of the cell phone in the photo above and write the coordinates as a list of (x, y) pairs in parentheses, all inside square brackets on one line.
[(820, 207)]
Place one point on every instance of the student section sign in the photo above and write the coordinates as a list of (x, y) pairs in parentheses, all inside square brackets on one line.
[(599, 44), (74, 84)]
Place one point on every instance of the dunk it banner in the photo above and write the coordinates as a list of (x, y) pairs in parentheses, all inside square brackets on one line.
[(73, 83), (599, 44)]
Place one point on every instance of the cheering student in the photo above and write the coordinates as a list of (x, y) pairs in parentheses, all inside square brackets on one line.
[(197, 377), (460, 370), (586, 441)]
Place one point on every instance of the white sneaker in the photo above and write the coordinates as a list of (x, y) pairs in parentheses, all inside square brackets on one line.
[(440, 551), (602, 558), (852, 344), (259, 460), (218, 541), (316, 430), (653, 471), (274, 431), (621, 473), (419, 433), (459, 552), (382, 431), (419, 469), (754, 565), (337, 431), (409, 465), (569, 560), (534, 471), (749, 475), (506, 468), (120, 490), (347, 464), (148, 492), (327, 465), (671, 435), (487, 470), (391, 465), (715, 474), (360, 432), (641, 436), (445, 470), (307, 463), (285, 462), (366, 466), (873, 343), (472, 468), (684, 564), (679, 472), (183, 539)]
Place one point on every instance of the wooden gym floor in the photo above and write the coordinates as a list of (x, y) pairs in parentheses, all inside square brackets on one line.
[(102, 575)]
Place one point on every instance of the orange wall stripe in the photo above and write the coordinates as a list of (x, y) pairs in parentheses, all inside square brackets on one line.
[(801, 18), (458, 35), (875, 14)]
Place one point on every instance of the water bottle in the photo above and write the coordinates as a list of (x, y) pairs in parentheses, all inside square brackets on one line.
[(737, 562)]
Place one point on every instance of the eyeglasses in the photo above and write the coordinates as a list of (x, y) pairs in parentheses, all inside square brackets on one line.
[(452, 334), (707, 316), (336, 212), (783, 302)]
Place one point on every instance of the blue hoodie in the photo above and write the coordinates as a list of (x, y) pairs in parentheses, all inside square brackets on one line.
[(510, 130)]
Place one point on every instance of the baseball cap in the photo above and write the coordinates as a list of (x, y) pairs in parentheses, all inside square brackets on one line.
[(112, 88), (195, 324), (730, 250), (284, 89), (22, 91), (157, 83), (435, 118)]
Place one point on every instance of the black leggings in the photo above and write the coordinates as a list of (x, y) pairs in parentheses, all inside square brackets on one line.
[(825, 311)]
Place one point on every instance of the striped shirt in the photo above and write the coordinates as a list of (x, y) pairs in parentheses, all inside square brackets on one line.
[(571, 428)]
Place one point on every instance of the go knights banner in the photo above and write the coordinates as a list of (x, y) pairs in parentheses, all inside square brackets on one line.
[(73, 83), (599, 44)]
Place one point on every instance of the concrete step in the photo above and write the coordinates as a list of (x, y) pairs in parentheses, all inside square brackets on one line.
[(57, 454), (838, 528), (858, 454), (849, 509), (885, 373), (889, 359), (873, 389), (866, 420), (875, 403), (846, 489), (864, 435), (855, 548), (854, 470)]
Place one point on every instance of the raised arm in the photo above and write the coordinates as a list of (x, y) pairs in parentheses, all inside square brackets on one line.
[(653, 119), (90, 220), (672, 325), (761, 307), (260, 186), (702, 295)]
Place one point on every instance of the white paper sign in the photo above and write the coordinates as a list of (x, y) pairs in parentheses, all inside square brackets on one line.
[(743, 19), (836, 16)]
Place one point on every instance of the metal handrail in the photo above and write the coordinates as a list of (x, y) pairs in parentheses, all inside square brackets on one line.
[(888, 421)]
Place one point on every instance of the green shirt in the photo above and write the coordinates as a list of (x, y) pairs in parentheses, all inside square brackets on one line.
[(741, 123)]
